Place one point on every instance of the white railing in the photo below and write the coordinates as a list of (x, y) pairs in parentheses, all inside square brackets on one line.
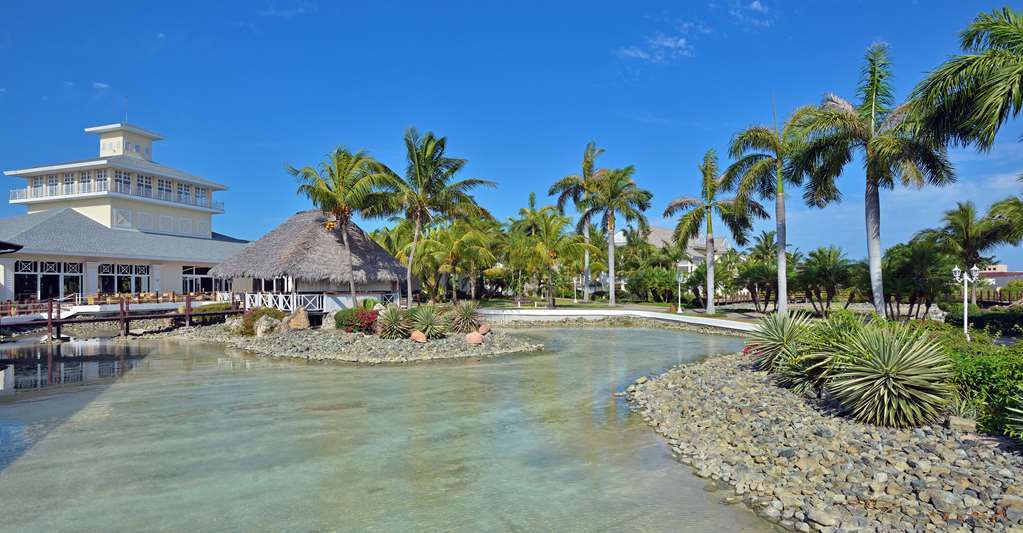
[(65, 191), (285, 302)]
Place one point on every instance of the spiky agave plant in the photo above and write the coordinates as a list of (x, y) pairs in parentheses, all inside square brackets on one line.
[(813, 367), (429, 320), (778, 337), (1014, 418), (895, 376), (465, 317), (393, 323)]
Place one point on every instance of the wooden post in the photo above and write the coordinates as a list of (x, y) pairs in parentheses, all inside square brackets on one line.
[(121, 317), (49, 319), (127, 326), (188, 310)]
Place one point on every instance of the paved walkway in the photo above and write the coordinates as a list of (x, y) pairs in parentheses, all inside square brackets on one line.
[(580, 313)]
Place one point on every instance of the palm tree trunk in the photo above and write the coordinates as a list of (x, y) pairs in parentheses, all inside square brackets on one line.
[(411, 257), (351, 268), (973, 293), (611, 258), (872, 211), (779, 217), (710, 271), (550, 289), (586, 266)]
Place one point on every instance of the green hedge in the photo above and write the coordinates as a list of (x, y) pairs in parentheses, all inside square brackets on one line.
[(250, 318), (1004, 320), (224, 306)]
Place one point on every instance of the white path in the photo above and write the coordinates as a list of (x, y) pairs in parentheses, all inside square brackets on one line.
[(512, 314)]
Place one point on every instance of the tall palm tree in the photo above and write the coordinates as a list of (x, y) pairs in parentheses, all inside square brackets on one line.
[(826, 270), (762, 167), (890, 145), (614, 192), (530, 216), (343, 185), (968, 98), (737, 214), (553, 248), (967, 235), (574, 187), (428, 191), (453, 246)]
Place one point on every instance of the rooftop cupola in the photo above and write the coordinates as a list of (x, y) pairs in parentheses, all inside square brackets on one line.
[(125, 139)]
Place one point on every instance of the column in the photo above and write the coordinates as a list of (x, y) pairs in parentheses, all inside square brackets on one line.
[(154, 278), (7, 289), (91, 278)]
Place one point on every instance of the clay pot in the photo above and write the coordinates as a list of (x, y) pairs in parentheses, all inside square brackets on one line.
[(484, 329), (474, 338), (418, 336)]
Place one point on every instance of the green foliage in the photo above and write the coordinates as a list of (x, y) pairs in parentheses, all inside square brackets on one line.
[(394, 323), (465, 317), (896, 376), (252, 316), (223, 306), (427, 319), (779, 337), (356, 319), (814, 365), (655, 284), (1004, 320), (369, 303), (1014, 418)]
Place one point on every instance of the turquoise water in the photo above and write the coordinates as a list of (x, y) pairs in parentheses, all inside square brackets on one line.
[(193, 438)]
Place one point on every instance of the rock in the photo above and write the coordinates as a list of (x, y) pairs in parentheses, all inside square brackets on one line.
[(484, 329), (299, 319), (641, 380), (962, 425), (474, 338), (329, 321), (787, 453), (820, 516), (418, 336), (233, 325), (266, 325), (944, 501)]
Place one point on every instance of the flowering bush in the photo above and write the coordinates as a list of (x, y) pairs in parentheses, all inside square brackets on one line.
[(360, 320)]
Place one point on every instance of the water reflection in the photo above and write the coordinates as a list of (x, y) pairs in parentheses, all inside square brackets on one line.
[(37, 366)]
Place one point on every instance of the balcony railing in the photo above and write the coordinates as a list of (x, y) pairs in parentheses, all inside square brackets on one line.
[(72, 190)]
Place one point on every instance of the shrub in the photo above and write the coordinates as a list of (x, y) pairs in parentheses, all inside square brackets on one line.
[(358, 319), (427, 319), (1006, 320), (987, 379), (393, 323), (252, 316), (896, 376), (1014, 418), (813, 366), (369, 303), (465, 317), (222, 306), (778, 336)]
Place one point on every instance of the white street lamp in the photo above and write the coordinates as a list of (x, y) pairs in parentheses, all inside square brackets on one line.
[(678, 293), (966, 278)]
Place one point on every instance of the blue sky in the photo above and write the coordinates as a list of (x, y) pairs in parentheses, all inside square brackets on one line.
[(242, 89)]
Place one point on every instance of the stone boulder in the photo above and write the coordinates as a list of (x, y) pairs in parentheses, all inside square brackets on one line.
[(299, 320), (418, 336), (266, 325), (233, 325), (474, 338), (328, 321), (484, 329)]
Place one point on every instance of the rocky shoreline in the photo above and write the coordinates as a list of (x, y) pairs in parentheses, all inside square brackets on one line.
[(614, 322), (799, 465), (336, 345)]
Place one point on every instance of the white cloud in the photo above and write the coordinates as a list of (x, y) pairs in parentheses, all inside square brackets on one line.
[(69, 83), (632, 52), (753, 15), (666, 47), (757, 6), (100, 85), (292, 10)]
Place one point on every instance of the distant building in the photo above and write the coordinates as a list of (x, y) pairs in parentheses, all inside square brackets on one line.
[(116, 223), (696, 248), (1000, 277)]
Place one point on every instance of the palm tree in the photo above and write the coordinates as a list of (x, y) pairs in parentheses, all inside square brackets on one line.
[(574, 187), (737, 214), (342, 186), (762, 166), (968, 98), (452, 247), (825, 269), (530, 216), (551, 247), (966, 235), (427, 191), (614, 192), (889, 142)]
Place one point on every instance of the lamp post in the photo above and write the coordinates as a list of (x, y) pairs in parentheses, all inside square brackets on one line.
[(575, 286), (966, 278), (678, 293)]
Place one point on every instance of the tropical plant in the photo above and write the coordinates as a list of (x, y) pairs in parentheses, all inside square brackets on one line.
[(762, 166), (614, 192), (814, 365), (452, 247), (778, 337), (552, 247), (465, 317), (1014, 418), (343, 186), (428, 320), (891, 145), (427, 191), (393, 323), (896, 376), (356, 320), (822, 274), (737, 214), (575, 188), (968, 98), (252, 316)]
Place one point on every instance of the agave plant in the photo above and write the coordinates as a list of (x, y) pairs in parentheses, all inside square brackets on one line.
[(1014, 418), (814, 366), (393, 323), (778, 336), (427, 319), (465, 317), (895, 376)]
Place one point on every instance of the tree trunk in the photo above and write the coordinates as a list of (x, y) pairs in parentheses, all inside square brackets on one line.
[(779, 217), (809, 296), (411, 257), (351, 268), (710, 270), (550, 289), (586, 266), (973, 293), (611, 258), (872, 211)]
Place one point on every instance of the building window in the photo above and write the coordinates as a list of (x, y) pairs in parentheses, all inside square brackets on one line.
[(198, 279), (201, 198), (144, 185), (268, 285), (37, 187), (123, 279), (46, 279), (51, 185), (122, 182), (163, 189), (69, 184), (184, 193), (101, 181), (84, 182)]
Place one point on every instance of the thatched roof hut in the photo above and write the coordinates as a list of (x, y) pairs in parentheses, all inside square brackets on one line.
[(303, 249)]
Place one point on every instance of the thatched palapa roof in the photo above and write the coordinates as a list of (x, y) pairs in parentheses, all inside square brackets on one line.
[(302, 248)]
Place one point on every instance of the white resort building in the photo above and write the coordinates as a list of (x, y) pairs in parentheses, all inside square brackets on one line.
[(118, 223)]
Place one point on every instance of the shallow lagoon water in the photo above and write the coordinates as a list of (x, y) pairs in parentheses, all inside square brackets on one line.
[(193, 437)]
